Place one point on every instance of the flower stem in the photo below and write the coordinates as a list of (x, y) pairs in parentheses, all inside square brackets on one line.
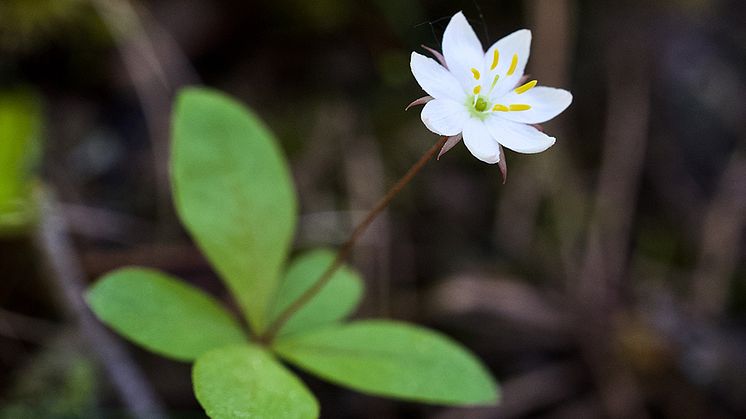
[(344, 251)]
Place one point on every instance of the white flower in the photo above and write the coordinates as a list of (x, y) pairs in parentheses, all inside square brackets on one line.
[(481, 96)]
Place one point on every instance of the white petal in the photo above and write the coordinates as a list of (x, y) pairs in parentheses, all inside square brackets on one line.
[(518, 137), (444, 116), (516, 44), (435, 79), (479, 141), (545, 102), (463, 51)]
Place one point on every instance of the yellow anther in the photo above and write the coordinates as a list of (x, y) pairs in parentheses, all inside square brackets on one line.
[(500, 108), (519, 107), (477, 89), (526, 87), (494, 81), (475, 72), (495, 59), (513, 64)]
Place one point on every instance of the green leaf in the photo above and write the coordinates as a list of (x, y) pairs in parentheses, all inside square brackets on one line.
[(338, 299), (233, 192), (393, 359), (247, 382), (162, 313)]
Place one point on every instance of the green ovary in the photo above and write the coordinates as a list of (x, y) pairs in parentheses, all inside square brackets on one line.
[(478, 105), (481, 104)]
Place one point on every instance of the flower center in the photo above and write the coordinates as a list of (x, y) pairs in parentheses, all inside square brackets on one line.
[(480, 107), (481, 104)]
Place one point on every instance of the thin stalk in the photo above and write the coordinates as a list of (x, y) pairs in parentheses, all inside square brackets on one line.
[(346, 248)]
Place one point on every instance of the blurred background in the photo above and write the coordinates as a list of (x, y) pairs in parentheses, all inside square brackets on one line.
[(605, 279)]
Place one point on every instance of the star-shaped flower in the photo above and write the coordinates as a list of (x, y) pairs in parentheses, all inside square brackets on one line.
[(484, 97)]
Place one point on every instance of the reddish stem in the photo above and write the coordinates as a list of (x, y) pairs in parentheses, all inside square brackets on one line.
[(344, 251)]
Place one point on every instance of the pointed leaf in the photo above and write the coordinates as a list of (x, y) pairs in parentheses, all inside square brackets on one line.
[(162, 313), (393, 359), (339, 297), (247, 382), (233, 192)]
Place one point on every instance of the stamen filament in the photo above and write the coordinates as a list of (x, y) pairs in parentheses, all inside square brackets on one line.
[(494, 81)]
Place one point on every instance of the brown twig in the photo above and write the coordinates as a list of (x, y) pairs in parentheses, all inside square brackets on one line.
[(600, 287), (346, 248), (157, 68), (66, 273), (626, 135), (722, 230), (22, 327)]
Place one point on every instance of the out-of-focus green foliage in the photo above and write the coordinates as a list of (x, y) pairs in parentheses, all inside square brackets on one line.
[(246, 382), (163, 314), (235, 197), (26, 23), (20, 133), (58, 383), (393, 359), (319, 15), (334, 302)]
